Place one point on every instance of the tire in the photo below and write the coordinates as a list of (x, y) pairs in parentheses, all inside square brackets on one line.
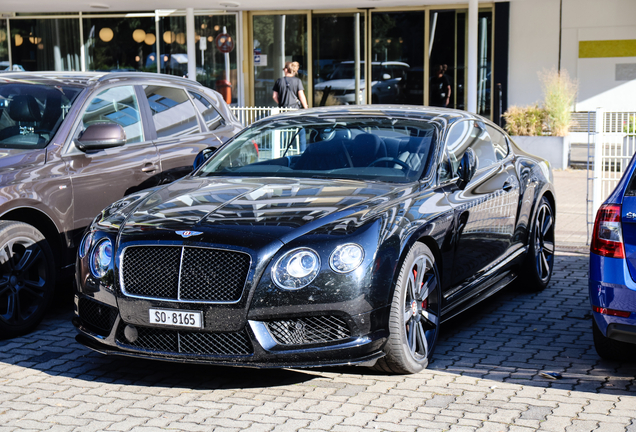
[(27, 278), (537, 269), (611, 349), (415, 314)]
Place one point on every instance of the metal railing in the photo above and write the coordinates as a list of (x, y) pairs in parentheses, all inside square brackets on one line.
[(248, 115), (614, 138)]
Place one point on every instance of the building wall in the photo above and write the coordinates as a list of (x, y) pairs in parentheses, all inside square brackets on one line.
[(604, 81)]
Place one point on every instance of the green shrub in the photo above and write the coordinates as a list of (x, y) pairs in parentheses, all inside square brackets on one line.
[(554, 116), (559, 94), (629, 127), (525, 121)]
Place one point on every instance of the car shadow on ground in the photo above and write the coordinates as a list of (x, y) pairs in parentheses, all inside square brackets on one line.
[(512, 337)]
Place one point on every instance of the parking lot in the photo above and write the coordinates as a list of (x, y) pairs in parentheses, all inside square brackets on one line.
[(486, 374)]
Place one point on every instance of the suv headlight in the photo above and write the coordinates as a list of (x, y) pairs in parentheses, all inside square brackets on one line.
[(296, 269), (101, 258), (346, 258), (85, 245)]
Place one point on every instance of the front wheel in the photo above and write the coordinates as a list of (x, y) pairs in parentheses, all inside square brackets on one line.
[(27, 278), (415, 314)]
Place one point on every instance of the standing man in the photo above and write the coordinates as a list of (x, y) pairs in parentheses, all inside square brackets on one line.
[(288, 90)]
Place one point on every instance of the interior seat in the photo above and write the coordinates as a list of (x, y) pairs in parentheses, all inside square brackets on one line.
[(324, 156), (365, 149)]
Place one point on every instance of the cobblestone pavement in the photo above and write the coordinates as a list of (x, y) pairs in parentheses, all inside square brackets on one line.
[(485, 376)]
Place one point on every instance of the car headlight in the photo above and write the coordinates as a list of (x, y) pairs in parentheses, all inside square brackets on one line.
[(296, 269), (85, 245), (101, 258), (346, 258)]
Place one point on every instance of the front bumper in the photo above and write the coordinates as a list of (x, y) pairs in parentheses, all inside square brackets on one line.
[(258, 344), (612, 287)]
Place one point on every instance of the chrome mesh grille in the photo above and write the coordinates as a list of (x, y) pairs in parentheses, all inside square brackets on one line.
[(309, 330), (184, 273), (188, 342)]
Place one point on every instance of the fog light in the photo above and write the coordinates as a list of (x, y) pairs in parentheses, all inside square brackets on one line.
[(131, 334)]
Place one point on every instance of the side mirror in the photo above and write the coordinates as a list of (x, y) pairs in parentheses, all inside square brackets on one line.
[(203, 156), (100, 136), (386, 76), (467, 167)]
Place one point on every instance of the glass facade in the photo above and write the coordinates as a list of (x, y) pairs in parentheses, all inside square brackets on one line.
[(277, 39), (217, 68), (4, 46), (333, 50), (120, 44), (45, 44)]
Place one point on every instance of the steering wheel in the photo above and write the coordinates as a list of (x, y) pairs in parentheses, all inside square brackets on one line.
[(387, 160)]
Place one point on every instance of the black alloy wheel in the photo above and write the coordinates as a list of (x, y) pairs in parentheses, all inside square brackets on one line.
[(538, 267), (27, 278), (415, 314)]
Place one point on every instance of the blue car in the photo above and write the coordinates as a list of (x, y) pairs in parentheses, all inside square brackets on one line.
[(612, 281)]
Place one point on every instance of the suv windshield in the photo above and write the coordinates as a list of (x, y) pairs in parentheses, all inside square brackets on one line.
[(30, 114), (373, 148)]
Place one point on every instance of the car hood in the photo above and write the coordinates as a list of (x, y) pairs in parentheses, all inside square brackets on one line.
[(276, 208), (14, 158)]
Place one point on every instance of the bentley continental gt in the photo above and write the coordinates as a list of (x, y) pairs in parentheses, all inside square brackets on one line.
[(330, 236)]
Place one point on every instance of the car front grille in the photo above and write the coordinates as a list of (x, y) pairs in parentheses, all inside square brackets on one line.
[(309, 330), (184, 273), (188, 342), (97, 317)]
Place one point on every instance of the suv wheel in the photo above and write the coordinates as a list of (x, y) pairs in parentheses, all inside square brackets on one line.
[(27, 277)]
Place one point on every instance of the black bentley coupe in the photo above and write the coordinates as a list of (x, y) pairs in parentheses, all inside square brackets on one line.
[(330, 236)]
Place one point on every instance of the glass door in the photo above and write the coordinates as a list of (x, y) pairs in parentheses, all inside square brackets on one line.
[(333, 51), (397, 57), (278, 39)]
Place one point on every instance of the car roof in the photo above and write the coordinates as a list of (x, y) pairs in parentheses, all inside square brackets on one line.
[(445, 115), (85, 79)]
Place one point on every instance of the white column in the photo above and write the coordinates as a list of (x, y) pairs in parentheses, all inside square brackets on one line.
[(192, 49), (471, 66), (356, 57)]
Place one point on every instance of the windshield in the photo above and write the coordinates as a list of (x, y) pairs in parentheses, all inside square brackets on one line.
[(373, 148), (347, 71), (30, 114)]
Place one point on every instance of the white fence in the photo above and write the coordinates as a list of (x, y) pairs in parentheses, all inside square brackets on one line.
[(614, 137), (248, 115)]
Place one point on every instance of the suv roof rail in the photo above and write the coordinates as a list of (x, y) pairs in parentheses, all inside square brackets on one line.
[(113, 75)]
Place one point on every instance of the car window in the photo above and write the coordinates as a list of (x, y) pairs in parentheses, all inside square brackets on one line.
[(370, 148), (499, 142), (115, 105), (172, 111), (31, 114), (471, 134), (210, 115)]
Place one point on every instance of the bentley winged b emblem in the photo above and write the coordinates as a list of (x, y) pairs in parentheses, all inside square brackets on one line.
[(186, 234)]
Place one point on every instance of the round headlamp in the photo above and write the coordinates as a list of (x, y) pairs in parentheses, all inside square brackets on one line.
[(101, 258), (296, 269), (346, 258)]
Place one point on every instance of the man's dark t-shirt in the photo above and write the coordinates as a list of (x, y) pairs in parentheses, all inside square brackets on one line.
[(439, 89), (286, 94)]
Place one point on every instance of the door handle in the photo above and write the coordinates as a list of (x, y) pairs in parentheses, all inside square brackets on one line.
[(507, 186), (149, 168)]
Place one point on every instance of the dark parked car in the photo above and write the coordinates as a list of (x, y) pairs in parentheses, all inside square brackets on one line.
[(321, 237), (70, 144), (612, 281)]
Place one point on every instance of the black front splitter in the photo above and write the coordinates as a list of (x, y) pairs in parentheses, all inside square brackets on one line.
[(367, 360)]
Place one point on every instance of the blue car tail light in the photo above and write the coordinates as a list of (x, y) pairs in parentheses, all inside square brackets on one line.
[(607, 238)]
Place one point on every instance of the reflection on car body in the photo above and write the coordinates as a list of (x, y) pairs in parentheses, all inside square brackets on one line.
[(321, 237)]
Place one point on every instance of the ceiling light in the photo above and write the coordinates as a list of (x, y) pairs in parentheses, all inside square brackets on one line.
[(99, 6), (229, 4)]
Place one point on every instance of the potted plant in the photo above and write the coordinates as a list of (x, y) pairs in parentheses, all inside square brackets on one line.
[(543, 130)]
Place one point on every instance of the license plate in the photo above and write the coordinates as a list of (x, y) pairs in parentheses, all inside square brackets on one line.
[(173, 317)]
